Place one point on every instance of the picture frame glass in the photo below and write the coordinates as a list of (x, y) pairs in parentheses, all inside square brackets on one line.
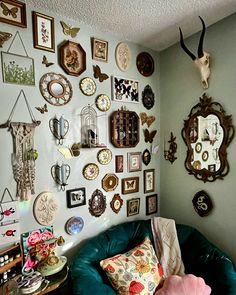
[(76, 197), (130, 185), (133, 206), (134, 162), (149, 180), (125, 90)]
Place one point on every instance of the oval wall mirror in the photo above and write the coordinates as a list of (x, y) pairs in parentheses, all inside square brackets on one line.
[(207, 133)]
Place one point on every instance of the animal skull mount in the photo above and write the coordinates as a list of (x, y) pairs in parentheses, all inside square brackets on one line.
[(202, 62)]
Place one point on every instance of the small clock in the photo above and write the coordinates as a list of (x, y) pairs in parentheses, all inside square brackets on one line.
[(88, 86), (104, 156), (103, 102)]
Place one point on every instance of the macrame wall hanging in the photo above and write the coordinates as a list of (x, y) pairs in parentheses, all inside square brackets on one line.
[(24, 154)]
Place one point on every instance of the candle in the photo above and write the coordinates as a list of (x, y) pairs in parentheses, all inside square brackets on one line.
[(63, 174), (58, 173), (62, 127), (56, 126)]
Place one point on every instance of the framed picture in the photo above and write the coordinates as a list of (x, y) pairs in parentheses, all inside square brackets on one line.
[(43, 31), (99, 49), (149, 180), (151, 204), (133, 206), (72, 58), (76, 197), (134, 162), (119, 163), (124, 90), (17, 69), (130, 185), (13, 13)]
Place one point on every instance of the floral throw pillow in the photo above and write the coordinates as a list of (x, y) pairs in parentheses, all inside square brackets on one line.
[(134, 272)]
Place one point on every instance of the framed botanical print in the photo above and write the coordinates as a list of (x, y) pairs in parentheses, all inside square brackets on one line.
[(134, 162), (151, 204), (43, 32), (149, 180), (130, 185), (13, 13), (99, 49), (133, 206)]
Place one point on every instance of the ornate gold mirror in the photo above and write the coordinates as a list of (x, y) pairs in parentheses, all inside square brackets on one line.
[(207, 133)]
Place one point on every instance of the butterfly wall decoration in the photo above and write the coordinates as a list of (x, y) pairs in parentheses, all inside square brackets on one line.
[(46, 62), (125, 89), (149, 136), (7, 11), (69, 30), (98, 74), (146, 119), (73, 151), (43, 109), (4, 36), (13, 12)]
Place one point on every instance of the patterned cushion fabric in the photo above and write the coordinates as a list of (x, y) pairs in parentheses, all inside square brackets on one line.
[(134, 272)]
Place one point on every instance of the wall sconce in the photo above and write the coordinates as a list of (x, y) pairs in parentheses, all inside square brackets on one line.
[(170, 153), (59, 128), (60, 174)]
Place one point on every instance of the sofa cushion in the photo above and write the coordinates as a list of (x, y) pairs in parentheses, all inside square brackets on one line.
[(136, 271)]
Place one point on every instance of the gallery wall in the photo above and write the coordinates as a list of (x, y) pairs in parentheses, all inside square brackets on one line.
[(45, 143), (180, 91)]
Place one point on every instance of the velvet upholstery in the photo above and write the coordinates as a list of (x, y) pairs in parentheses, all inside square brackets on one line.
[(200, 258)]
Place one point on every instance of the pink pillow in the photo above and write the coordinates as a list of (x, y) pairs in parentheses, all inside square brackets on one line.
[(184, 285)]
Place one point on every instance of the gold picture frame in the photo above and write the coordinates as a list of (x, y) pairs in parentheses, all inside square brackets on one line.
[(13, 13), (43, 31), (99, 49)]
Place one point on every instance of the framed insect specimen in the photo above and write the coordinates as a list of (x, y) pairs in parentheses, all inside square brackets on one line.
[(133, 206), (72, 58), (13, 13), (99, 49), (43, 32), (130, 185), (76, 197), (125, 90), (151, 204), (149, 180)]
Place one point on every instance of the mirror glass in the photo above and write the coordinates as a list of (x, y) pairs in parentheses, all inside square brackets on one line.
[(56, 88), (207, 133)]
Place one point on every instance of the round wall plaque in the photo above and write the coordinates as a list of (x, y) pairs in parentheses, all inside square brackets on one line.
[(145, 64), (123, 56), (74, 225)]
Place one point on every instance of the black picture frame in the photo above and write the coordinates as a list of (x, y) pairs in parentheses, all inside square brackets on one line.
[(76, 197)]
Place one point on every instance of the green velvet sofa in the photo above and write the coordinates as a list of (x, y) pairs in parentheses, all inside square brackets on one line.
[(200, 258)]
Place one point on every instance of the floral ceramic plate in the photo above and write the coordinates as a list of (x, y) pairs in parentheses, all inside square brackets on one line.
[(74, 225), (103, 103), (91, 171), (88, 86), (104, 156)]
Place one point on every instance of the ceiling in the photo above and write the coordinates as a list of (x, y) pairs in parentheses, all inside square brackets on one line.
[(151, 23)]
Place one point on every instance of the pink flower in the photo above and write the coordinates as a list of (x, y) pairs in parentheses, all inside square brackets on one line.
[(47, 235), (34, 238)]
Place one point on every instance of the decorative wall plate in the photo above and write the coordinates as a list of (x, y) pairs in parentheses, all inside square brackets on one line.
[(90, 171), (97, 203), (110, 182), (104, 156), (55, 88), (74, 225), (145, 64), (116, 203), (45, 208), (148, 97), (103, 102), (123, 56), (88, 86)]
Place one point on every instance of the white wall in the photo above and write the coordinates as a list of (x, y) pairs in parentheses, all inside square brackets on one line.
[(180, 91), (45, 142)]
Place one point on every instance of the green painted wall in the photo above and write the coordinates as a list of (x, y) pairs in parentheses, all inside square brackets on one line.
[(180, 91)]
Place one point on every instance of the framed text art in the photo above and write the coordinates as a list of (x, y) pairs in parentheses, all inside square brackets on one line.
[(149, 180), (13, 13), (43, 32)]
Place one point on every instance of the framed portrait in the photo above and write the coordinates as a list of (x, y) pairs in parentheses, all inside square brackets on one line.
[(43, 32), (119, 163), (99, 49), (72, 58), (130, 185), (134, 162), (149, 180), (125, 90), (76, 197), (13, 13), (151, 204), (17, 69), (133, 206)]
